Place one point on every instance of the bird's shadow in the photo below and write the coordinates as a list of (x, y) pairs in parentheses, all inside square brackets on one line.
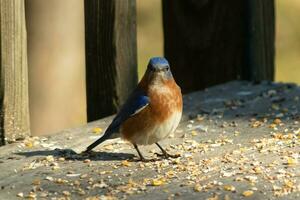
[(70, 154)]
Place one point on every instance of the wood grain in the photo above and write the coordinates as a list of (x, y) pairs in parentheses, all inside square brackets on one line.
[(260, 49), (225, 143), (211, 42), (14, 75), (111, 55)]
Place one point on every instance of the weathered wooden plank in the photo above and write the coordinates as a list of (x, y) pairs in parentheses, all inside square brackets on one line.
[(237, 143), (14, 111), (111, 55), (211, 42)]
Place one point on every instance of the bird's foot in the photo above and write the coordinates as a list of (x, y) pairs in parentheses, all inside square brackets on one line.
[(167, 155), (86, 152), (143, 159)]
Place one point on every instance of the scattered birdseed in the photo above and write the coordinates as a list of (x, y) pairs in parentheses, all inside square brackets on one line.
[(126, 163), (20, 194), (218, 154), (66, 193), (97, 130), (229, 188), (198, 188), (247, 193), (157, 182)]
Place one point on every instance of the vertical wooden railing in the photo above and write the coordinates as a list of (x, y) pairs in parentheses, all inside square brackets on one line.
[(56, 60), (14, 110), (206, 42), (260, 47), (111, 58), (211, 42)]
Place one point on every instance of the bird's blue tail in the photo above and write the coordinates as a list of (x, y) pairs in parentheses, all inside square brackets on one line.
[(97, 142)]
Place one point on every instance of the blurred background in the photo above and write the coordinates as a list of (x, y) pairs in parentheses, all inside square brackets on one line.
[(288, 41), (56, 60), (56, 74)]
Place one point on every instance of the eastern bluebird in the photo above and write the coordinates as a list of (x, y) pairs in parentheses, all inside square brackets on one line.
[(151, 113)]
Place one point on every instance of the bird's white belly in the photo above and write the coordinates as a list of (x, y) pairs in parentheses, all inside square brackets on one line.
[(159, 132)]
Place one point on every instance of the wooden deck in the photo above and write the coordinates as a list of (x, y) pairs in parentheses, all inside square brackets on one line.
[(236, 141)]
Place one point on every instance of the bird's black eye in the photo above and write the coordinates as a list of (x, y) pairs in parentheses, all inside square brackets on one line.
[(151, 67)]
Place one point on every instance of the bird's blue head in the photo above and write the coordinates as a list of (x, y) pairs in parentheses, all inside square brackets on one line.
[(159, 67), (158, 64)]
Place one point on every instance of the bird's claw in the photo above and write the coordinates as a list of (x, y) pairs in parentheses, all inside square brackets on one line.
[(167, 155), (147, 160)]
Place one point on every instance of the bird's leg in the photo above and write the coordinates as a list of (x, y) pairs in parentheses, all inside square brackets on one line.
[(140, 154), (165, 153)]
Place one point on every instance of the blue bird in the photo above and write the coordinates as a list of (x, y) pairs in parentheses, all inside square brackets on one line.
[(151, 113)]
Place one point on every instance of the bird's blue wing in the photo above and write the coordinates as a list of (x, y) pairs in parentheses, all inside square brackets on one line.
[(136, 102)]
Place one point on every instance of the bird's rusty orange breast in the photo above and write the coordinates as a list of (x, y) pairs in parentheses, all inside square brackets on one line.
[(165, 99)]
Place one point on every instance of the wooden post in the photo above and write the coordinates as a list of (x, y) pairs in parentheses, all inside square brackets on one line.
[(111, 54), (56, 59), (14, 81), (260, 48), (211, 42)]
